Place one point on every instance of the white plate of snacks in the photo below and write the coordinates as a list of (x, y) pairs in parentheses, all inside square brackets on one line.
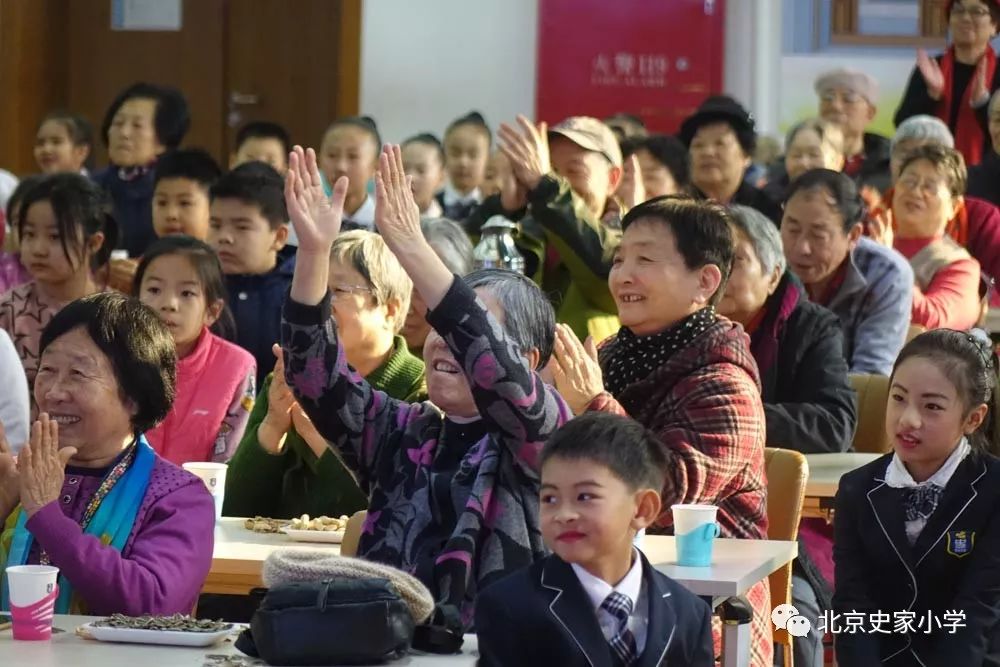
[(320, 529), (176, 630)]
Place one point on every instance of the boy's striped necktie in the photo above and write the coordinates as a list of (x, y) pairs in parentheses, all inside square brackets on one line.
[(623, 642)]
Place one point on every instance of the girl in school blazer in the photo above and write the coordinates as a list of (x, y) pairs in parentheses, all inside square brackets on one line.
[(917, 532)]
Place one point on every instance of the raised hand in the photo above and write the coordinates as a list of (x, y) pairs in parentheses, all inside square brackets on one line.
[(280, 401), (41, 465), (307, 430), (575, 369), (397, 216), (631, 190), (10, 488), (513, 195), (931, 71), (315, 217), (880, 227), (527, 150), (980, 93)]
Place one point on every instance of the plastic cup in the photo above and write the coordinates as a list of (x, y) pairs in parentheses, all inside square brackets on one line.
[(695, 531), (33, 594), (214, 476)]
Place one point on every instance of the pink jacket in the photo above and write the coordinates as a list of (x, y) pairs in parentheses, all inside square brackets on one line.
[(214, 397)]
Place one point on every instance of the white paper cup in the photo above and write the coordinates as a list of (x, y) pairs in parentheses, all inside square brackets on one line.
[(29, 586), (695, 531), (214, 476), (119, 254), (689, 517)]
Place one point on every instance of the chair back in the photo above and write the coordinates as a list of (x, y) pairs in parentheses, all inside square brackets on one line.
[(873, 392), (787, 472), (352, 533)]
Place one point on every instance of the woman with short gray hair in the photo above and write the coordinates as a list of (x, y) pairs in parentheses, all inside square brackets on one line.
[(798, 345), (914, 132)]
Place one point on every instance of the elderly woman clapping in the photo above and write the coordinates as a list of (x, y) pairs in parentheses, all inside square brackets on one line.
[(453, 489), (682, 371), (130, 532)]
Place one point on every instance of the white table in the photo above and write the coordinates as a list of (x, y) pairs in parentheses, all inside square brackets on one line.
[(825, 471), (240, 553), (736, 566), (67, 649)]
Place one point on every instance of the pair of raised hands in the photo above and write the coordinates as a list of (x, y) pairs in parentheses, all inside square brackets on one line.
[(283, 412), (317, 218), (35, 477), (930, 69), (527, 148), (574, 369)]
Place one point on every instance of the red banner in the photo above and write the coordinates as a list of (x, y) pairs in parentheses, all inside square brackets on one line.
[(657, 59)]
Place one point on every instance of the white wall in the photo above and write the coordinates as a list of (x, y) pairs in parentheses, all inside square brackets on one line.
[(752, 60), (426, 62)]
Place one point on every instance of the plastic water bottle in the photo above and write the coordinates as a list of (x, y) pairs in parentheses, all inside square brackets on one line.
[(496, 249)]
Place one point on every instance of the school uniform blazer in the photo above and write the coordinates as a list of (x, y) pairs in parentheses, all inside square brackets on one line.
[(953, 566), (542, 616)]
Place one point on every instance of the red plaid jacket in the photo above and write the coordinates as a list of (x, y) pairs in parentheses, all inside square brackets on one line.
[(704, 403)]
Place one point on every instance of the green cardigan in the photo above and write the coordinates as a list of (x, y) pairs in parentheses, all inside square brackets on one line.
[(295, 482)]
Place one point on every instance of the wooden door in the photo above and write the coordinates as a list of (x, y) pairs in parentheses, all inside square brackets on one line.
[(294, 63), (103, 61)]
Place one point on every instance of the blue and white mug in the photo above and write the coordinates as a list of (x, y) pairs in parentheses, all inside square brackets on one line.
[(695, 531)]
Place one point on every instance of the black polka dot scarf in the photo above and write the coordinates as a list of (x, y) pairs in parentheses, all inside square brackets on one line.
[(633, 357)]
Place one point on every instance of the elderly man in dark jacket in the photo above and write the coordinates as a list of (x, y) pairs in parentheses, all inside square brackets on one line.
[(798, 345)]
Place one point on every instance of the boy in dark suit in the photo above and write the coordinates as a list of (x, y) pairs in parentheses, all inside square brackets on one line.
[(596, 601)]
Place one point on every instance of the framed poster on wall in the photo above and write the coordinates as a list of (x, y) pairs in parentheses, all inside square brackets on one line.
[(657, 59)]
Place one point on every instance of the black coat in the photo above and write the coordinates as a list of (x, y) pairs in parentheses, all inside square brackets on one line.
[(133, 208), (809, 403), (542, 616), (256, 302), (878, 570), (916, 101), (984, 179), (747, 195)]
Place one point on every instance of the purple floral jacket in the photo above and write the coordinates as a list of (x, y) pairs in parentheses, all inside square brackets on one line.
[(454, 503)]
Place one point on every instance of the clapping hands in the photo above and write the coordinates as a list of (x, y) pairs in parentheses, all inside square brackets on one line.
[(527, 150)]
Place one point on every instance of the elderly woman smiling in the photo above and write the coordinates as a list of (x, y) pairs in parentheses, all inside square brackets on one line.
[(682, 371), (453, 486), (130, 532), (928, 192)]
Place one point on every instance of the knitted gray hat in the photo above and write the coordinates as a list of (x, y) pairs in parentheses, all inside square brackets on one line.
[(285, 567)]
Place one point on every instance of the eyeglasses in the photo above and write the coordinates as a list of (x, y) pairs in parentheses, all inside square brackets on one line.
[(844, 96), (975, 12), (927, 186), (339, 292)]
